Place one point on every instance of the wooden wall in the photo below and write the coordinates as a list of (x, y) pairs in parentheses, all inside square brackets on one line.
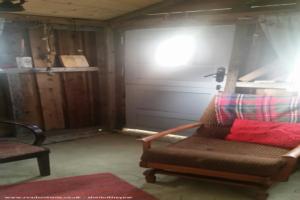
[(86, 98), (52, 100)]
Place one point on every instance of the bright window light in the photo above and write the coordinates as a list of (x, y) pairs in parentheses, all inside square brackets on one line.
[(175, 52)]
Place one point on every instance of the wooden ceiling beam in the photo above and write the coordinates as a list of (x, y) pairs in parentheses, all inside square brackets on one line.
[(143, 11), (52, 20), (194, 5), (215, 17), (208, 6), (235, 5)]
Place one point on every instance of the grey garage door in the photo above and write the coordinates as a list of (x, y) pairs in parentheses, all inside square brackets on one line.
[(164, 71)]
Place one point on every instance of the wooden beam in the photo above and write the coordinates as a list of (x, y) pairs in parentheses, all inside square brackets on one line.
[(241, 47), (102, 73), (263, 85), (111, 67), (194, 19), (143, 11), (254, 74), (260, 71), (213, 6), (272, 71), (52, 20), (119, 40), (194, 6), (70, 27)]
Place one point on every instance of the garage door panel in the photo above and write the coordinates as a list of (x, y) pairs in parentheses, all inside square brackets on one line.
[(171, 101), (183, 103), (158, 123), (158, 98), (152, 73)]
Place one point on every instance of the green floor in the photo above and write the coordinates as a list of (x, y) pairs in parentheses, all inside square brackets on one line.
[(119, 154)]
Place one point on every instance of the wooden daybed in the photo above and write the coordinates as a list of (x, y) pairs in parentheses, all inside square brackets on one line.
[(206, 154)]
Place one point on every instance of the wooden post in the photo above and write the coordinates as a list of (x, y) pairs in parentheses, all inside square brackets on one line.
[(102, 71), (107, 71), (241, 48), (111, 69), (120, 78)]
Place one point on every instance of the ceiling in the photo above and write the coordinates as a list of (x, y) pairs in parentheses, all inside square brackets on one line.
[(85, 9)]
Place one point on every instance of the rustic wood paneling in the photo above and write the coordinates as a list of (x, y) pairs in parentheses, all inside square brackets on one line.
[(77, 89), (78, 100), (24, 98), (49, 85), (94, 97), (91, 9), (52, 100), (5, 105), (19, 96), (91, 53), (90, 47)]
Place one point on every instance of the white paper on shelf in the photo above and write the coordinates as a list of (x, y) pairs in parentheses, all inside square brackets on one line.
[(24, 62)]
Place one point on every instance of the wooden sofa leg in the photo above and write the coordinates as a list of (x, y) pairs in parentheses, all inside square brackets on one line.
[(261, 195), (44, 164), (150, 175)]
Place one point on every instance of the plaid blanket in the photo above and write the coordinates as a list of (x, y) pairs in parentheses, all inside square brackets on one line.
[(254, 107)]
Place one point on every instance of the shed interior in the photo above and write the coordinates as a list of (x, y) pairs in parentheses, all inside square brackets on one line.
[(119, 70)]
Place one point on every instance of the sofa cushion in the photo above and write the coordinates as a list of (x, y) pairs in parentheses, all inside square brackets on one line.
[(285, 135), (217, 154), (256, 107)]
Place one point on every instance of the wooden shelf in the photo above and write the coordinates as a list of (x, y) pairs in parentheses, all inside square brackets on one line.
[(263, 85), (48, 70)]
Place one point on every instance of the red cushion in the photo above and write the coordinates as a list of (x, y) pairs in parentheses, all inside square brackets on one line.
[(285, 135)]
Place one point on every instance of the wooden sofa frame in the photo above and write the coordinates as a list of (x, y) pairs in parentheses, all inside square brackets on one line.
[(259, 182)]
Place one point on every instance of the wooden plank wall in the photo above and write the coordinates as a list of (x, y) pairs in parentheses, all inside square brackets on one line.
[(24, 98), (49, 85), (51, 100), (20, 90), (79, 98)]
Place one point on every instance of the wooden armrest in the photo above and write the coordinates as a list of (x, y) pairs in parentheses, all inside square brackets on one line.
[(149, 139), (294, 153), (291, 162), (34, 129)]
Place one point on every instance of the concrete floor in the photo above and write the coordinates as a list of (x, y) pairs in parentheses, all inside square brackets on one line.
[(119, 154)]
